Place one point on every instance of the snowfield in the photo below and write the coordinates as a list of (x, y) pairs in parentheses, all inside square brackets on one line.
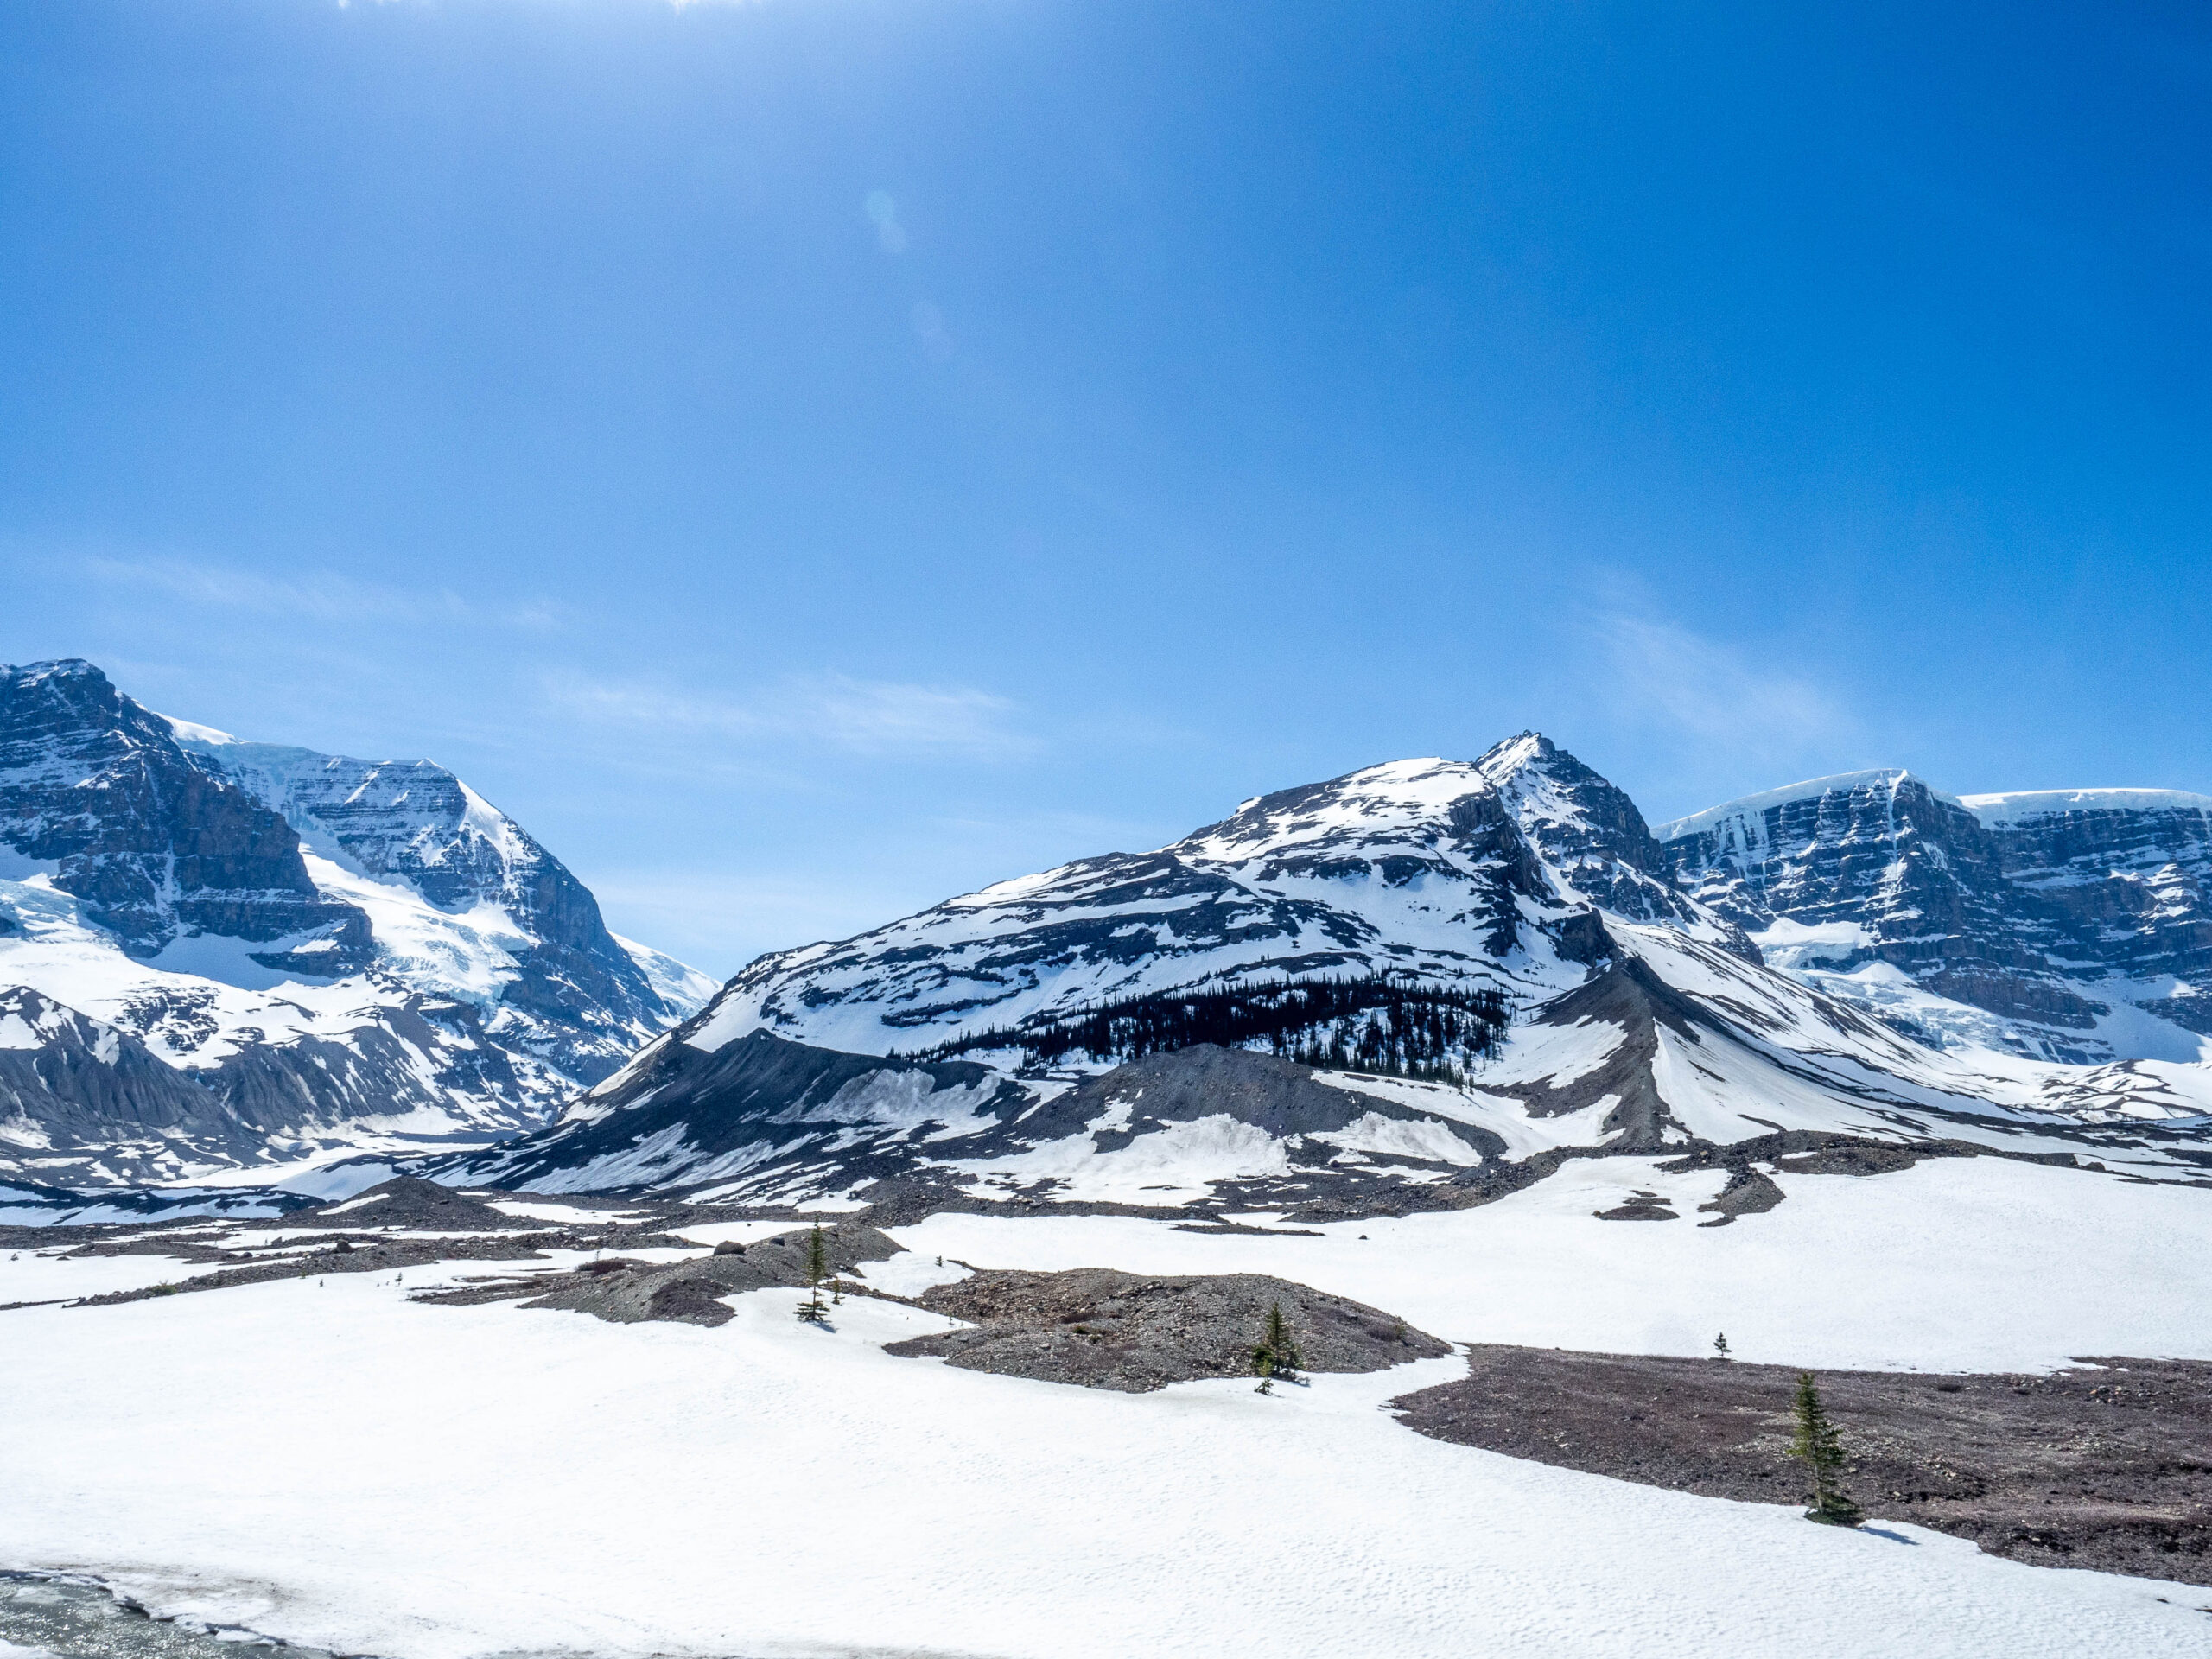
[(334, 1465), (45, 1276), (1954, 1265)]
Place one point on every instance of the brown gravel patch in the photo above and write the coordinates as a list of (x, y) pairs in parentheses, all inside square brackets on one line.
[(2108, 1466)]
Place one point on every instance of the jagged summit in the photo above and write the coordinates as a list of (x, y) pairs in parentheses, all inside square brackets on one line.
[(1496, 872), (98, 798)]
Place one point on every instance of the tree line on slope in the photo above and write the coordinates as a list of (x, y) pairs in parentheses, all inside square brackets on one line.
[(1373, 1022)]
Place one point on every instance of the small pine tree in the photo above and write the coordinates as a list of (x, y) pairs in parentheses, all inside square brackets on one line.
[(1276, 1353), (1720, 1346), (1821, 1447), (818, 1268)]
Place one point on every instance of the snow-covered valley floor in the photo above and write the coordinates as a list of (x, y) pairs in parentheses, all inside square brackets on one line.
[(331, 1464)]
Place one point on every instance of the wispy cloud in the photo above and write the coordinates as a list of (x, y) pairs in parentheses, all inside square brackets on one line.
[(862, 716), (935, 338), (1717, 692), (883, 213), (318, 595)]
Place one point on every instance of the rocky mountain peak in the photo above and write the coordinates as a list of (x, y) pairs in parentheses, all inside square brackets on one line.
[(1415, 798), (94, 788), (1588, 832), (414, 823), (294, 944)]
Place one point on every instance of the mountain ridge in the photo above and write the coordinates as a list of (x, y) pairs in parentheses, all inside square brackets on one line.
[(2076, 924), (1649, 1022)]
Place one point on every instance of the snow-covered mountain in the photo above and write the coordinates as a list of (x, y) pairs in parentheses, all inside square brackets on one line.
[(2070, 924), (236, 953), (938, 1049), (1487, 872)]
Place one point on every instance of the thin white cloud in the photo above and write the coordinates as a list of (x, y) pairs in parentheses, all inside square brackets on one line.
[(862, 716), (319, 595), (1719, 693), (929, 329), (883, 213)]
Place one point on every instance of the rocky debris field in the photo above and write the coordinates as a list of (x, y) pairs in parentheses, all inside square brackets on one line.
[(1105, 1329), (2107, 1467), (410, 1201)]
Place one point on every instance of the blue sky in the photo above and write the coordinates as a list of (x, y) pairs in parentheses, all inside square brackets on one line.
[(805, 458)]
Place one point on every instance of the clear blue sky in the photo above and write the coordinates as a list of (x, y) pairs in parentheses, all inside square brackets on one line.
[(806, 458)]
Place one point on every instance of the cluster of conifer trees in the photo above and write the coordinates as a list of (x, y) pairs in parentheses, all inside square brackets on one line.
[(1372, 1022)]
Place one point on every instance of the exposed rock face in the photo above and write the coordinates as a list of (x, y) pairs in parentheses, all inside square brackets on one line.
[(1279, 1098), (766, 1116), (1590, 835), (2121, 879), (2046, 911), (154, 847), (75, 1091), (85, 1102), (768, 1120), (415, 1053), (75, 1077)]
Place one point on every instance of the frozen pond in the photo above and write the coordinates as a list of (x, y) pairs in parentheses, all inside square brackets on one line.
[(76, 1621)]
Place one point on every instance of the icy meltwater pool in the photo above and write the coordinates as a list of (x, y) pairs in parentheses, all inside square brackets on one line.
[(81, 1621)]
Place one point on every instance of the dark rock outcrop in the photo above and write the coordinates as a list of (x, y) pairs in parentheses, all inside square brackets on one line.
[(81, 1086), (1132, 1332)]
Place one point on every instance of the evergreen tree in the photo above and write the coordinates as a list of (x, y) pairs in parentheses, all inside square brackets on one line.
[(1720, 1346), (1821, 1447), (1377, 1022), (818, 1268), (1276, 1351)]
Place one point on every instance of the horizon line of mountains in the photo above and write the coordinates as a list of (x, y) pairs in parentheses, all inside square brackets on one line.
[(220, 956)]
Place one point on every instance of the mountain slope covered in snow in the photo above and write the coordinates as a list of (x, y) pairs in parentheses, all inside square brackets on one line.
[(935, 1049), (243, 954)]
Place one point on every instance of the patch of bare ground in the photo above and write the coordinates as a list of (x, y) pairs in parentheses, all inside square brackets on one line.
[(2108, 1468), (1103, 1329), (626, 1292)]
